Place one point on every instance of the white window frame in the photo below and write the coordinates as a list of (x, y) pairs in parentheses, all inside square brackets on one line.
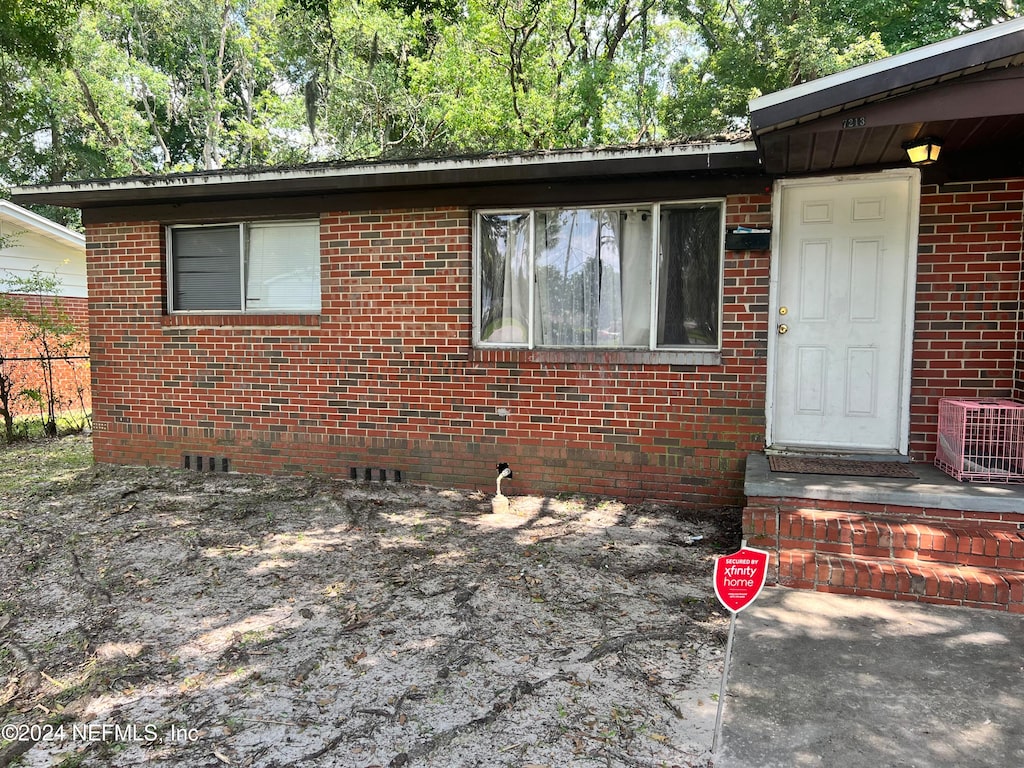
[(243, 252), (655, 208)]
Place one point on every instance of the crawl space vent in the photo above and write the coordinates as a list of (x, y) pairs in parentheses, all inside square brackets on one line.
[(201, 463), (375, 474)]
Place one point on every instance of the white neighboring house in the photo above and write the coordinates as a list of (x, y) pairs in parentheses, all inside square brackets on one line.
[(30, 242)]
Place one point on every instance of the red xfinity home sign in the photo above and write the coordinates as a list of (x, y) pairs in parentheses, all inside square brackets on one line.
[(740, 576)]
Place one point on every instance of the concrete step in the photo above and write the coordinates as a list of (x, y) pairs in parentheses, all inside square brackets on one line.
[(897, 579)]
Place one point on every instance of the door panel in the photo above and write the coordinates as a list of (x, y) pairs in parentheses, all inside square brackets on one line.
[(814, 278), (862, 378), (811, 365), (841, 292), (865, 272)]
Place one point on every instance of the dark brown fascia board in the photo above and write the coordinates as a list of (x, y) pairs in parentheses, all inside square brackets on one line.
[(595, 191), (989, 94), (578, 166), (879, 83)]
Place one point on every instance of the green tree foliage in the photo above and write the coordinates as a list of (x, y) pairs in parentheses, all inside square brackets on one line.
[(747, 48), (348, 62), (34, 40), (36, 29), (181, 86), (531, 74), (117, 87)]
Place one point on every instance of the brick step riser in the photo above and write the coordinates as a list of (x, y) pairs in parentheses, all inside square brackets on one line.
[(1007, 557), (998, 547), (970, 587), (893, 557)]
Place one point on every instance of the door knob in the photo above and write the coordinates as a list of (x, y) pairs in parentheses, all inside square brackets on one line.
[(783, 328)]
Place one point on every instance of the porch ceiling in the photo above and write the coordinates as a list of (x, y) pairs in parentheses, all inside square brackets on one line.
[(966, 92), (977, 119)]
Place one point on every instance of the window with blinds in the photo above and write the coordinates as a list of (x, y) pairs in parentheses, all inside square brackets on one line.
[(245, 267)]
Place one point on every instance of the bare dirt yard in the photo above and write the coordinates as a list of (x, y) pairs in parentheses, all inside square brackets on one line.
[(166, 617)]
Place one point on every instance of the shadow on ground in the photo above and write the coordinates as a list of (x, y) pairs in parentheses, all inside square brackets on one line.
[(174, 618), (831, 680)]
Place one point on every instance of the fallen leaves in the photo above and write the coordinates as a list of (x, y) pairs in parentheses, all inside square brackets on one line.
[(405, 630)]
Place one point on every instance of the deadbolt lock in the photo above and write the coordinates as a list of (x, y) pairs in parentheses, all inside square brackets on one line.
[(783, 310)]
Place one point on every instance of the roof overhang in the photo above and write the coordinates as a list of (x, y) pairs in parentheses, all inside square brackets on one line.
[(25, 220), (733, 157), (967, 91)]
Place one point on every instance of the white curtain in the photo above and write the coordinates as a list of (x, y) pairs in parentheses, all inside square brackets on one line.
[(593, 277), (504, 275), (637, 231)]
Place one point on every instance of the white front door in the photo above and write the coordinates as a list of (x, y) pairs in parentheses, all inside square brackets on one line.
[(841, 312)]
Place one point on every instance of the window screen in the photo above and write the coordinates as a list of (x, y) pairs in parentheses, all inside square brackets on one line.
[(206, 268), (688, 277)]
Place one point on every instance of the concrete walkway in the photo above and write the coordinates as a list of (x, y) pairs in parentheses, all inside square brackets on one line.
[(829, 680)]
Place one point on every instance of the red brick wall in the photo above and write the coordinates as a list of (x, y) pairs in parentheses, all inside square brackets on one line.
[(71, 377), (387, 378), (968, 329)]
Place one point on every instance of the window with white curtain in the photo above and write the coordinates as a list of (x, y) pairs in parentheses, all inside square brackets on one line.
[(245, 267), (631, 277)]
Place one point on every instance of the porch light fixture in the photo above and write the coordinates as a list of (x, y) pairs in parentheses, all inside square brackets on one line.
[(923, 151)]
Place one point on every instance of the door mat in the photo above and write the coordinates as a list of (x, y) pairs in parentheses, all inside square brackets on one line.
[(813, 466)]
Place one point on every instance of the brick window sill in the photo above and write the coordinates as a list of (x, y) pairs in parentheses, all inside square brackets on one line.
[(240, 320), (595, 357)]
